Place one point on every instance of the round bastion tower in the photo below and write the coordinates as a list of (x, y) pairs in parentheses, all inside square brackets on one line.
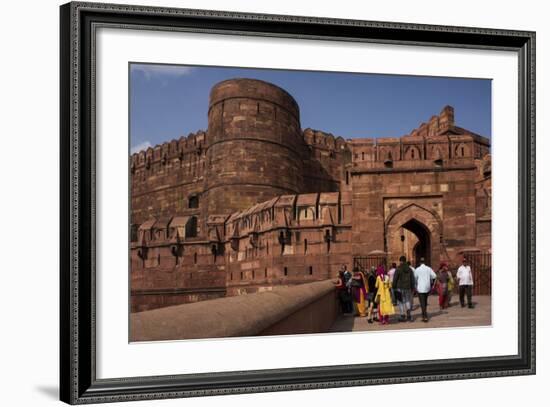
[(254, 145)]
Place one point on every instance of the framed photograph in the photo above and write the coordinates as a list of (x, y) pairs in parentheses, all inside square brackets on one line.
[(254, 203)]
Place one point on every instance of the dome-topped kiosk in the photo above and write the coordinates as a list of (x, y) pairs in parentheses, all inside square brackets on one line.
[(254, 145)]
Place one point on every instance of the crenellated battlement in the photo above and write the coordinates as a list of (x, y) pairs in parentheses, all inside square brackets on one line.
[(165, 177), (437, 125), (439, 142), (322, 140), (174, 149)]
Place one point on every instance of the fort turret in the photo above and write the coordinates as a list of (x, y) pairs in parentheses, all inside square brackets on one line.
[(254, 145)]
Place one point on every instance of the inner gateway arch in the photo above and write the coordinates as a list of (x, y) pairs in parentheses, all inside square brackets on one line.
[(414, 231)]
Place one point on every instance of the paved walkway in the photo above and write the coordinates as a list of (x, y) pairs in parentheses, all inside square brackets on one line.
[(454, 316)]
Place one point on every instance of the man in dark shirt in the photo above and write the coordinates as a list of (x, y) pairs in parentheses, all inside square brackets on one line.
[(403, 283), (347, 283)]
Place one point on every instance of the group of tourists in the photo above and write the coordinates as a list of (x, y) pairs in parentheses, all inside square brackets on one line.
[(377, 294)]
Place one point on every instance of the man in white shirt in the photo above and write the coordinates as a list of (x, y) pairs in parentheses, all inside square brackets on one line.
[(424, 276), (465, 283)]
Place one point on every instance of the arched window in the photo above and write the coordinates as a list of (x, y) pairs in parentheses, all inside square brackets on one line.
[(305, 246), (388, 162), (437, 156), (461, 151), (193, 202), (191, 227), (413, 153)]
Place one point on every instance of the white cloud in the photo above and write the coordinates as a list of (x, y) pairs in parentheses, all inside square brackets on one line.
[(161, 71), (141, 146)]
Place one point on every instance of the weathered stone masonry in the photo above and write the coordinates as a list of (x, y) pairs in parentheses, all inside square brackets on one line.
[(255, 201)]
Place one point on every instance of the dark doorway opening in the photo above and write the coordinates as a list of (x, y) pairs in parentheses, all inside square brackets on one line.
[(423, 247)]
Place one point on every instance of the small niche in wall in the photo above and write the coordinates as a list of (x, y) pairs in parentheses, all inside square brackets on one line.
[(193, 202)]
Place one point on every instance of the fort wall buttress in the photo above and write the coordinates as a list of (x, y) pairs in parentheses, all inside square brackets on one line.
[(255, 145)]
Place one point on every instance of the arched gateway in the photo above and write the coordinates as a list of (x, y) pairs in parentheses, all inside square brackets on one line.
[(415, 232)]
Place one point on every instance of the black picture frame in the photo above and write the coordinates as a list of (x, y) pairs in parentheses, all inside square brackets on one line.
[(78, 382)]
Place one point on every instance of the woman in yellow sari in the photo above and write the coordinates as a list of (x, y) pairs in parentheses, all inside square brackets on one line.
[(383, 295)]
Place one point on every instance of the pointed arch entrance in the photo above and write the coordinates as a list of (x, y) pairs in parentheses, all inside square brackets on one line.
[(418, 244), (414, 232)]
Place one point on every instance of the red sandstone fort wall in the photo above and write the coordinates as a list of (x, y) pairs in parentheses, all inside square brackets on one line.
[(483, 185), (165, 177), (255, 202), (442, 201), (325, 160), (288, 240)]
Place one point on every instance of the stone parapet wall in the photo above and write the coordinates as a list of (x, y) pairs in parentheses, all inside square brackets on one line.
[(288, 240), (307, 308)]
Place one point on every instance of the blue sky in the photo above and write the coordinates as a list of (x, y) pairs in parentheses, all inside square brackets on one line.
[(168, 101)]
